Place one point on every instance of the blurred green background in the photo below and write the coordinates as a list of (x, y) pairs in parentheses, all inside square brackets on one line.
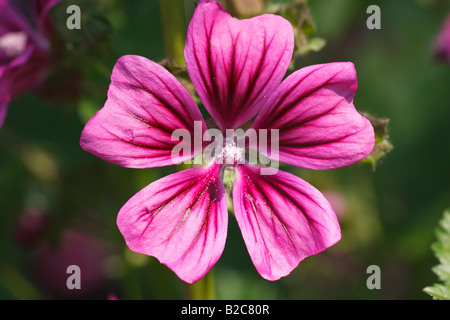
[(58, 204)]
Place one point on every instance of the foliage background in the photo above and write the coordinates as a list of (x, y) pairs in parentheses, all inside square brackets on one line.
[(388, 216)]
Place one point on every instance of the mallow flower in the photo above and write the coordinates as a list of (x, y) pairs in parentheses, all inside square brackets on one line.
[(24, 47), (237, 68)]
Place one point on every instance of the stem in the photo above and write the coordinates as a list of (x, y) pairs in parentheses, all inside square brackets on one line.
[(175, 16), (14, 282), (174, 29), (189, 8), (204, 289)]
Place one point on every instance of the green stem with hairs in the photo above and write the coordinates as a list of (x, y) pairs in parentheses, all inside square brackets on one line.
[(204, 289), (175, 17), (173, 21)]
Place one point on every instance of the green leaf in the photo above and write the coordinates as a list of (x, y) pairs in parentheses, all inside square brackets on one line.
[(298, 14), (382, 144), (438, 292), (314, 44), (441, 249)]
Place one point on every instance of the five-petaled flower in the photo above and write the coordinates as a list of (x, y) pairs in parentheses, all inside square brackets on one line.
[(24, 49), (237, 68)]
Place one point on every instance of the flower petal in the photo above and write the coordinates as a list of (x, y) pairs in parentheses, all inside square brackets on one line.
[(3, 109), (442, 45), (319, 127), (42, 10), (236, 64), (20, 75), (180, 219), (282, 218), (11, 19), (145, 105), (37, 11)]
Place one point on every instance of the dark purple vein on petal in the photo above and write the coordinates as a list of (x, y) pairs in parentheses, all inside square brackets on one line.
[(274, 116), (165, 103), (286, 195)]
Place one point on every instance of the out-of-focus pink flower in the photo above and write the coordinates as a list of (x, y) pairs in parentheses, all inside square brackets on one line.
[(442, 47), (112, 296), (30, 228), (24, 47), (237, 68), (337, 201), (73, 247)]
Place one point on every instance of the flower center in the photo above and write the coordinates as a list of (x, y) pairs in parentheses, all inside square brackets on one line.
[(13, 44), (231, 154)]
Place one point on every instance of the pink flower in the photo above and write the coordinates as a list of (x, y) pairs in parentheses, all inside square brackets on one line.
[(237, 68), (30, 228), (24, 56), (73, 247), (442, 47)]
